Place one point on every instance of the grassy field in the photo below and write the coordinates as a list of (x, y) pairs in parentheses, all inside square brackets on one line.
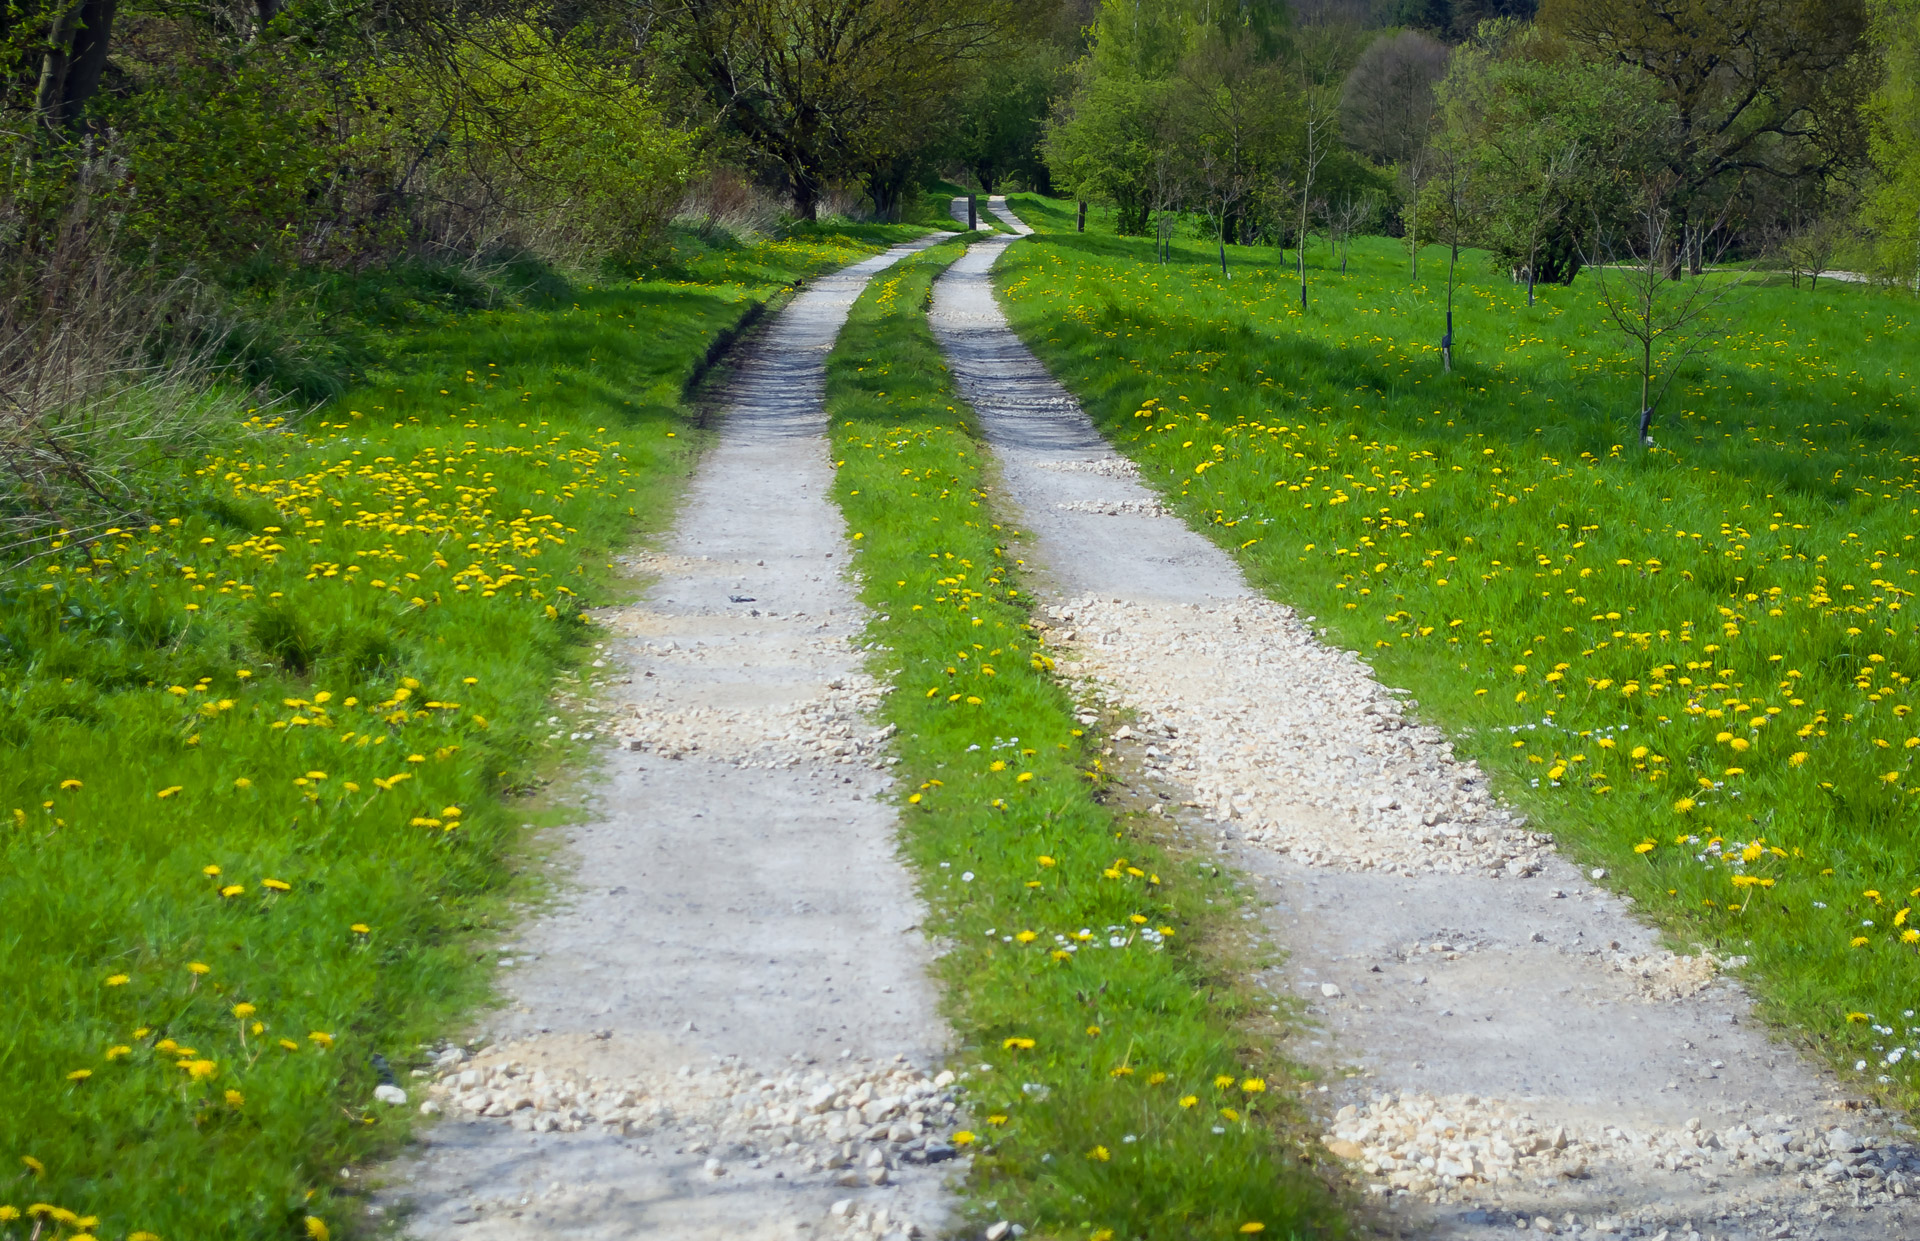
[(1693, 664), (1116, 1088), (257, 752)]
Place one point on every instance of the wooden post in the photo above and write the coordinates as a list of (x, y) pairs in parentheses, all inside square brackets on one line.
[(973, 212), (1081, 226)]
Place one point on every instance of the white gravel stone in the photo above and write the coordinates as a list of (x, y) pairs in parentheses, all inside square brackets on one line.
[(1287, 742)]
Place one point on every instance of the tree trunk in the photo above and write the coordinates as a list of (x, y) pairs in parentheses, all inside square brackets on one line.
[(806, 197), (54, 62), (1080, 225), (1302, 239), (89, 63), (1413, 232), (1646, 381)]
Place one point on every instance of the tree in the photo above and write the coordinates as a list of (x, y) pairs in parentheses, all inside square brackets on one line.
[(830, 88), (1155, 69), (1388, 111), (1554, 143), (1104, 140), (1230, 118), (1450, 216), (1001, 116), (1387, 104), (1893, 203), (1319, 132), (1667, 321), (1767, 89), (1350, 214)]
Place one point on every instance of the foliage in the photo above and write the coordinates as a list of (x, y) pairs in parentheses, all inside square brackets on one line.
[(1387, 104), (1760, 89), (549, 132), (258, 756), (832, 89), (1103, 1058), (1555, 146), (1893, 206), (1105, 141), (1695, 666), (1001, 117)]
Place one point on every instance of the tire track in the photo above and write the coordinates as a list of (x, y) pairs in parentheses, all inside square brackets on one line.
[(725, 1028), (1510, 1045)]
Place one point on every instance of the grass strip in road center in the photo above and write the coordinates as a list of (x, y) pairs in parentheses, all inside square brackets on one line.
[(253, 751), (1694, 664), (1112, 1094)]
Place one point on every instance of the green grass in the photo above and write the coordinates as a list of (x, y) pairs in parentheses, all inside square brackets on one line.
[(1694, 665), (258, 756), (1069, 927)]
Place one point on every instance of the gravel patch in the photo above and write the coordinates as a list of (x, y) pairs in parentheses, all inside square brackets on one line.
[(1288, 739)]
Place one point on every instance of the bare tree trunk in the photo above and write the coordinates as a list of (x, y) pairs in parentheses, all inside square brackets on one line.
[(1413, 232), (1646, 383)]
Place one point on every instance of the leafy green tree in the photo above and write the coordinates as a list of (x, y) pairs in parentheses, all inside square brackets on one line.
[(1893, 203), (1234, 115), (830, 89), (1107, 140), (1001, 117), (1554, 145), (1157, 69)]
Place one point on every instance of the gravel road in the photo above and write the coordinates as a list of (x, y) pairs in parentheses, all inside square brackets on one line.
[(724, 1029), (1509, 1047)]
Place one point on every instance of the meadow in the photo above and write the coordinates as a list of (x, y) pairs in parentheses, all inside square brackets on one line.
[(264, 752), (1121, 1081), (1692, 663)]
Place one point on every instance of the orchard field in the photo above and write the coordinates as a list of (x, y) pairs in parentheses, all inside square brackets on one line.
[(1693, 663)]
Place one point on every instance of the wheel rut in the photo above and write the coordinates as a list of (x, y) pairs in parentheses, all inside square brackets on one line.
[(725, 1026), (1505, 1043)]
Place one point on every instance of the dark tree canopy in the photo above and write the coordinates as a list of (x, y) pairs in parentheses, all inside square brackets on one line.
[(1387, 104), (1759, 88)]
